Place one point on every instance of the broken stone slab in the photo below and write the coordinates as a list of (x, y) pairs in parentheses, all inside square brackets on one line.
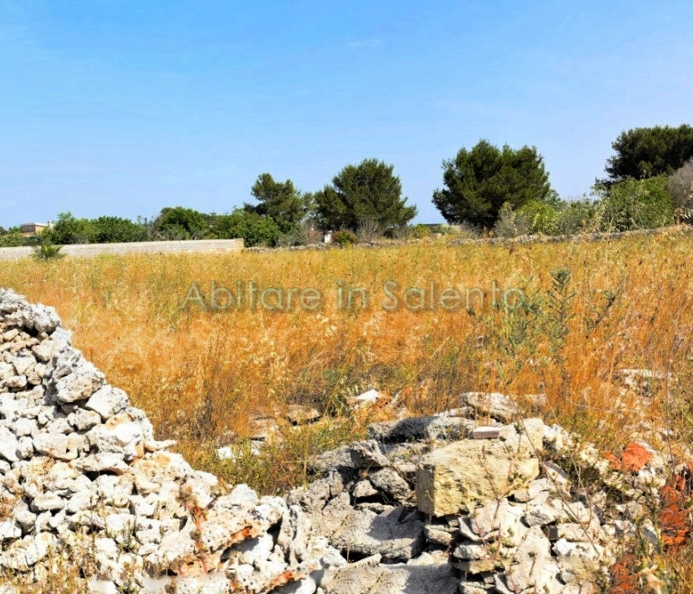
[(388, 534), (8, 445), (74, 378), (503, 518), (83, 420), (389, 482), (468, 473), (313, 497), (472, 552), (103, 462), (430, 576), (339, 458), (18, 312), (494, 404), (536, 488), (23, 554), (58, 341), (396, 534), (154, 470), (121, 435), (485, 433), (263, 428), (533, 566), (23, 364), (364, 488), (10, 530), (367, 454), (543, 514), (107, 401), (96, 586), (438, 535)]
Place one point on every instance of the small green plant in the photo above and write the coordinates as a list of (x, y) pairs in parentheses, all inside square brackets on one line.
[(47, 250), (560, 304), (514, 330)]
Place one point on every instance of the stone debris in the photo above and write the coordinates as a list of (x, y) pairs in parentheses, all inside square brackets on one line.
[(498, 514), (263, 428), (438, 504), (485, 433), (298, 414), (496, 405), (368, 398), (643, 381)]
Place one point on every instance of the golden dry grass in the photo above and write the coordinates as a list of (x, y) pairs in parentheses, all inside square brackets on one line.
[(199, 374)]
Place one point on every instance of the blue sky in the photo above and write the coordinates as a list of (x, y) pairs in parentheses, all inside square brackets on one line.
[(122, 107)]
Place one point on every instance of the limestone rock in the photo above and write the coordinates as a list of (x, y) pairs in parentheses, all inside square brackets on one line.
[(367, 454), (471, 472)]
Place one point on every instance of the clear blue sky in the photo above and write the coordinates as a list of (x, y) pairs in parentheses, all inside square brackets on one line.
[(122, 107)]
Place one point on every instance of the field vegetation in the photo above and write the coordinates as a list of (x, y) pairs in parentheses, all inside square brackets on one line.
[(588, 310)]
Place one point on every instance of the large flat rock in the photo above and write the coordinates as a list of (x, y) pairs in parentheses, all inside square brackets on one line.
[(468, 473)]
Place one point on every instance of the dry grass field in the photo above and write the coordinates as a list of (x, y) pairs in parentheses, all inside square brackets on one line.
[(588, 310)]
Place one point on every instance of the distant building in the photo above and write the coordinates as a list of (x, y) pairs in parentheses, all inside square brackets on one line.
[(29, 229)]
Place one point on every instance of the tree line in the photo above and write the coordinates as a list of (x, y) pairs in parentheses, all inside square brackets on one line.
[(487, 189), (649, 184)]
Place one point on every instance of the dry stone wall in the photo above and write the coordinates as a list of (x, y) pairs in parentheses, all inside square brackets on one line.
[(83, 475), (424, 505)]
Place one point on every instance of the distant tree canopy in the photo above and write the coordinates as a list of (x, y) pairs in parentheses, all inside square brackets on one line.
[(180, 223), (280, 201), (11, 237), (479, 181), (69, 229), (116, 230), (367, 193), (648, 152)]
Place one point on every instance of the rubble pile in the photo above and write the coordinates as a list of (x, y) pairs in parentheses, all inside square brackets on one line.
[(82, 476), (486, 511)]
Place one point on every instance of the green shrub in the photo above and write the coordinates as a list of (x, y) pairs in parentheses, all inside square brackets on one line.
[(344, 238), (635, 204), (69, 230), (540, 216), (511, 223), (180, 223), (253, 228), (117, 230), (12, 239), (420, 231), (576, 216), (680, 186)]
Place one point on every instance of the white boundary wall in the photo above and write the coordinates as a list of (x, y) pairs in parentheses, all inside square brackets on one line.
[(144, 247)]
